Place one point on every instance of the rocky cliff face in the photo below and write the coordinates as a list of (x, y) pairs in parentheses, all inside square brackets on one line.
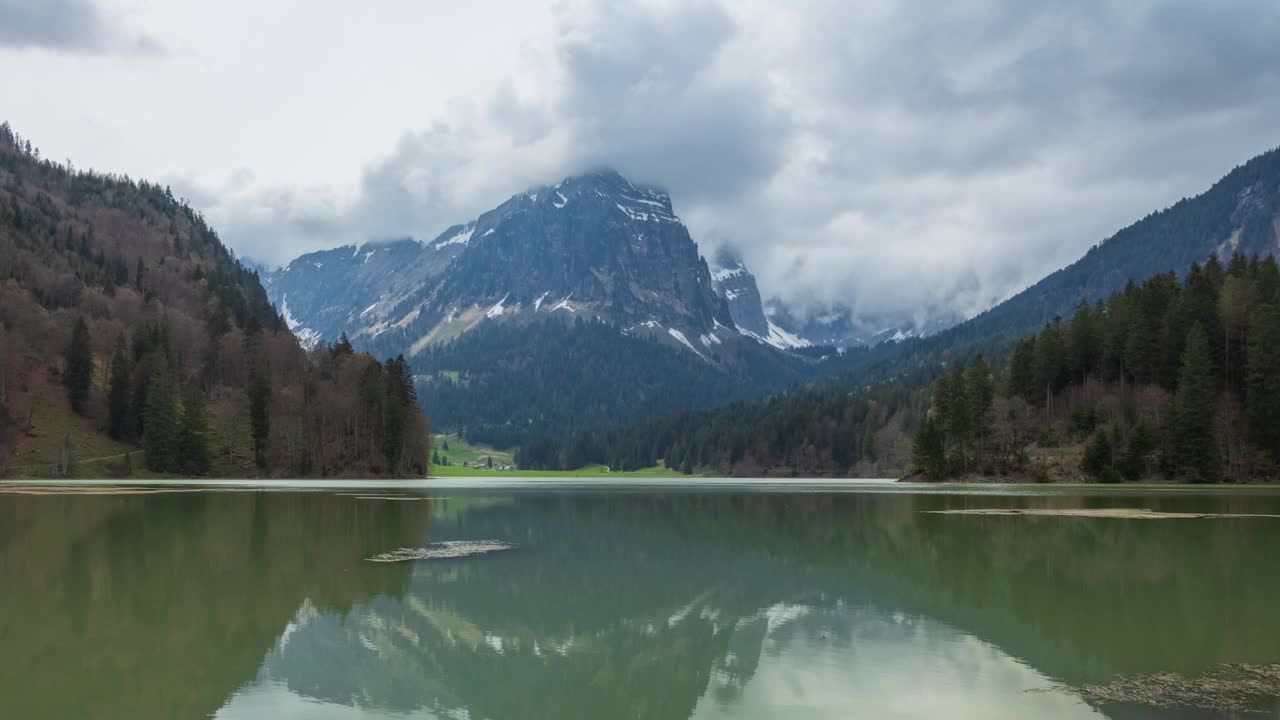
[(737, 286), (594, 246)]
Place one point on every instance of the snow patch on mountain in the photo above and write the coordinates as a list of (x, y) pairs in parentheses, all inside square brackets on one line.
[(462, 237), (307, 338), (778, 338), (722, 274), (496, 310), (289, 320), (680, 336)]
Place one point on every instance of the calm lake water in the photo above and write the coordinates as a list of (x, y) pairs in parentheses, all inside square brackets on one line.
[(711, 601)]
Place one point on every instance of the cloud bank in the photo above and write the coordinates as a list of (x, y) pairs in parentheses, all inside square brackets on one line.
[(877, 154), (67, 26)]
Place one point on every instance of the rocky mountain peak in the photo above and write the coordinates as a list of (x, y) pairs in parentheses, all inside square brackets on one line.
[(595, 246)]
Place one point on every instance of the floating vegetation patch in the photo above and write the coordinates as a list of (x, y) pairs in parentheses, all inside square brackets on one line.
[(1238, 688), (389, 497), (1122, 513), (99, 490), (444, 550)]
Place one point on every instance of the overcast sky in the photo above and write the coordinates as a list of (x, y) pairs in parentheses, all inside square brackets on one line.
[(887, 155)]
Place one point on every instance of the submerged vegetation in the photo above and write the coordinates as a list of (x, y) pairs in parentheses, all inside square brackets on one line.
[(1236, 688)]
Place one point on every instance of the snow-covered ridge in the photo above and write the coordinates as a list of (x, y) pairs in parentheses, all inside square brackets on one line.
[(722, 274), (643, 216), (778, 338), (462, 237)]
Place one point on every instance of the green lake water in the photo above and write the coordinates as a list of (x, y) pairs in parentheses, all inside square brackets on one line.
[(714, 600)]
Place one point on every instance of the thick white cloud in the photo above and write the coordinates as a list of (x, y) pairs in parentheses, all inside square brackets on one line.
[(876, 153)]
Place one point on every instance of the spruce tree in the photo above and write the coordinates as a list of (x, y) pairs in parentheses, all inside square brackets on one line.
[(1048, 365), (1021, 379), (260, 411), (1085, 343), (1097, 455), (979, 395), (193, 446), (927, 453), (78, 376), (400, 396), (119, 392), (1133, 466), (1194, 403), (1262, 379), (160, 437), (343, 346)]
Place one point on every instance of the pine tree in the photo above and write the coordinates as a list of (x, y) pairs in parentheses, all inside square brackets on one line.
[(979, 394), (1048, 365), (1196, 452), (1133, 466), (343, 346), (78, 376), (927, 453), (949, 398), (260, 411), (1097, 455), (1139, 348), (1262, 379), (119, 392), (160, 437), (1021, 379), (399, 399), (193, 445), (1084, 342)]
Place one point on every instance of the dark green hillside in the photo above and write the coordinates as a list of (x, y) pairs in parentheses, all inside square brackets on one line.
[(504, 383), (126, 324), (1168, 380)]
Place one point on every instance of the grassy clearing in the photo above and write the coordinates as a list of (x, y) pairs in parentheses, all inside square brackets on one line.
[(588, 471), (461, 452), (464, 456), (93, 454)]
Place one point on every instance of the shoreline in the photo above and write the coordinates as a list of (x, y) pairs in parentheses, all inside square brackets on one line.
[(605, 483)]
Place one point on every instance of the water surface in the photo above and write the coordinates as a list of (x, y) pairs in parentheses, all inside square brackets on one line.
[(622, 600)]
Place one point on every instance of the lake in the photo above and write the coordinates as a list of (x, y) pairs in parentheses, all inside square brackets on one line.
[(625, 600)]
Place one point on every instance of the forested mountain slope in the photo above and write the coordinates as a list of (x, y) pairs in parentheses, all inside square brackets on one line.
[(125, 322), (567, 307), (1169, 379), (502, 384), (1239, 213)]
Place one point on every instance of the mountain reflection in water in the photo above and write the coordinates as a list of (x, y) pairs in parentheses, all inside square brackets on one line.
[(752, 605)]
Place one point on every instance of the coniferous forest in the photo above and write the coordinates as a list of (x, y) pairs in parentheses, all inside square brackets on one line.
[(1171, 379), (125, 323)]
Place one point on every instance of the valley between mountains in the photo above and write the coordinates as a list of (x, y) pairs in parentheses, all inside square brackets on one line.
[(580, 324)]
